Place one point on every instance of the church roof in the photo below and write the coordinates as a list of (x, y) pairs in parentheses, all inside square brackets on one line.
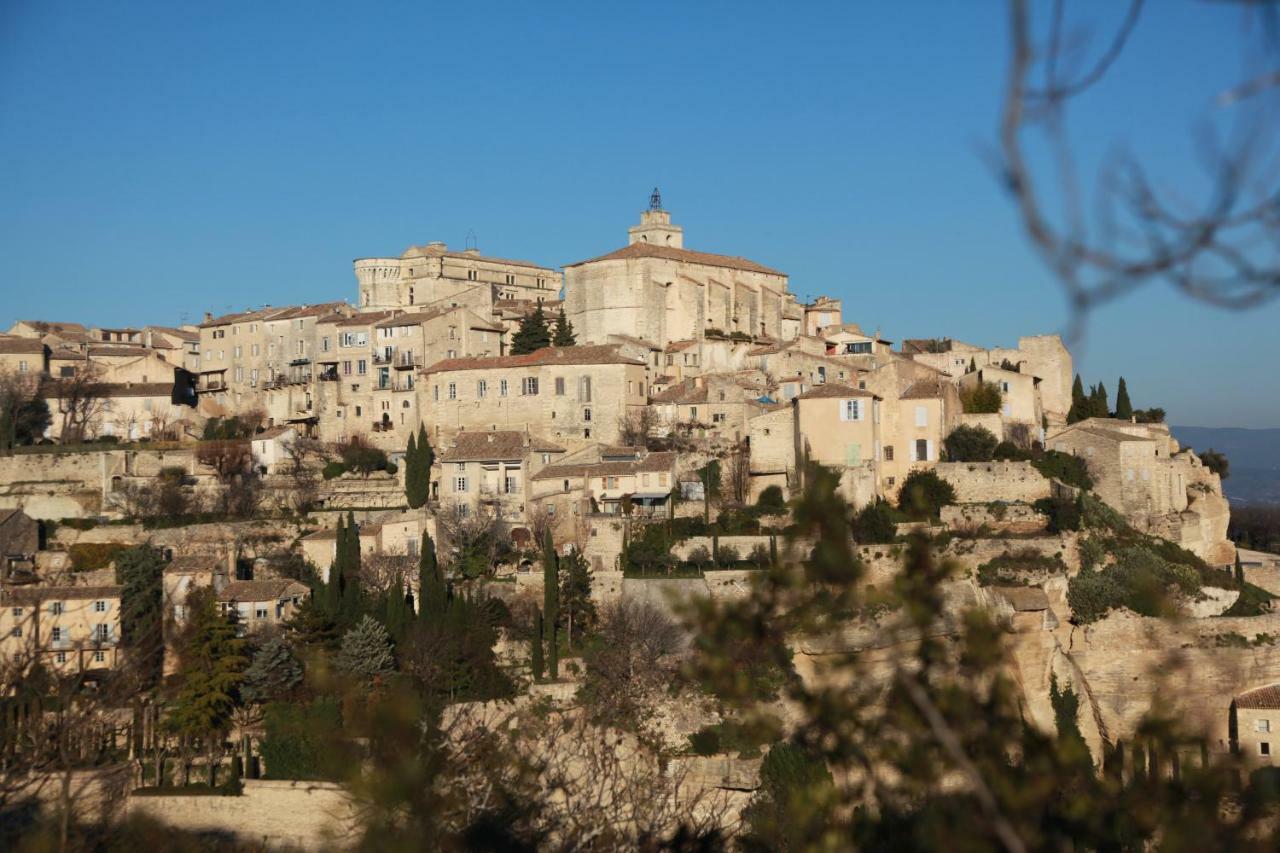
[(670, 253), (439, 250)]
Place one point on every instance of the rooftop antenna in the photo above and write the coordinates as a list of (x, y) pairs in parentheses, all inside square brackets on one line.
[(655, 200), (470, 242)]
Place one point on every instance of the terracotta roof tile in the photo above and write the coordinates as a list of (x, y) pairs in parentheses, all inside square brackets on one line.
[(37, 594), (664, 461), (14, 345), (497, 444), (266, 590), (649, 250), (1262, 697), (833, 390), (592, 354)]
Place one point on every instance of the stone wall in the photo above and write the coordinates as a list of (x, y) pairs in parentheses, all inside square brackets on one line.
[(309, 815), (1007, 518), (983, 482), (744, 545)]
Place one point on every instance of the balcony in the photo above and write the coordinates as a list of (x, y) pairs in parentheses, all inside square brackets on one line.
[(383, 358), (407, 361)]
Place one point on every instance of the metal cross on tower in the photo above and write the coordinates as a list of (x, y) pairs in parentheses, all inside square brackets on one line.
[(655, 200)]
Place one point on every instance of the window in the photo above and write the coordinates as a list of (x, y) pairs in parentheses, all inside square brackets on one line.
[(260, 613), (888, 453), (324, 344), (546, 458), (922, 416), (459, 484), (102, 632), (17, 631), (362, 367), (55, 608), (586, 414), (1004, 386), (529, 386), (717, 418), (453, 391), (17, 611), (922, 450), (482, 388), (99, 607), (851, 410), (357, 411), (99, 657), (891, 481), (502, 387), (55, 634), (566, 485), (584, 389), (1262, 725), (22, 367), (1264, 748), (60, 657), (511, 487), (560, 386)]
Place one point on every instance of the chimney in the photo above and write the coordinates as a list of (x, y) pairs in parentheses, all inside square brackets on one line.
[(208, 316)]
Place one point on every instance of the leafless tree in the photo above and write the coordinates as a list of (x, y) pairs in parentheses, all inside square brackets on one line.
[(81, 401), (636, 658), (306, 455), (1221, 248), (228, 458), (474, 538), (637, 427)]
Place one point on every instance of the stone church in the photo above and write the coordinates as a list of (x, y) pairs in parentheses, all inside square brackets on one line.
[(656, 289)]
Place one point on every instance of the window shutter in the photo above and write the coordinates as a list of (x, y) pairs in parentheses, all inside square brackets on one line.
[(929, 450)]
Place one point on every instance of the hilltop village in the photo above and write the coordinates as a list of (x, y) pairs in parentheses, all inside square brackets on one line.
[(642, 422)]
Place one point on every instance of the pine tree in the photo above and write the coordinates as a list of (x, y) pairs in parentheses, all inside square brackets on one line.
[(539, 667), (551, 603), (577, 610), (366, 650), (312, 626), (273, 674), (1078, 410), (533, 333), (432, 592), (212, 666), (564, 336), (1124, 409)]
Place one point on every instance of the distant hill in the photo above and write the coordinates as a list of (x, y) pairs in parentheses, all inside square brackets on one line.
[(1254, 455)]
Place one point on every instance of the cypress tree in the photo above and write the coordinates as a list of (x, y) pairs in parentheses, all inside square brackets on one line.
[(564, 336), (431, 589), (1124, 409), (1078, 402), (551, 602), (349, 596), (1100, 407), (426, 452), (533, 333), (538, 665), (773, 550), (333, 589), (412, 475), (1239, 571), (973, 366), (397, 617)]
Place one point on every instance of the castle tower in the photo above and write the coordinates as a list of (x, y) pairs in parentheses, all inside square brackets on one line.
[(655, 226)]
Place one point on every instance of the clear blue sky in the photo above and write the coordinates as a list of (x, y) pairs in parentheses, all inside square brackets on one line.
[(161, 159)]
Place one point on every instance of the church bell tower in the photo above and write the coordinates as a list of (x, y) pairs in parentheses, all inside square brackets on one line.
[(655, 226)]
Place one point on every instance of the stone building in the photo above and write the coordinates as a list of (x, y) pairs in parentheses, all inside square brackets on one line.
[(492, 469), (23, 357), (838, 426), (432, 275), (1256, 723), (262, 604), (604, 479), (67, 629), (715, 406), (656, 289), (573, 396), (771, 442)]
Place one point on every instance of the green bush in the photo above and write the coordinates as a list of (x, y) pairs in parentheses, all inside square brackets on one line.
[(1021, 568), (924, 494), (970, 444), (981, 399), (1141, 579), (333, 469), (726, 555), (772, 501), (300, 740), (1091, 595), (1069, 469), (86, 556), (392, 468), (362, 458), (877, 522), (1007, 451), (1063, 513)]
